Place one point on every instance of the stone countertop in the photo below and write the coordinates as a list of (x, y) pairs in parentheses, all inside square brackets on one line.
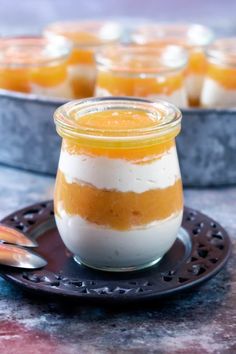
[(200, 321)]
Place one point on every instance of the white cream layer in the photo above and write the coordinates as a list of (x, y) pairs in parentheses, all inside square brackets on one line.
[(119, 174), (178, 97), (194, 84), (103, 247), (215, 95), (84, 71), (62, 90)]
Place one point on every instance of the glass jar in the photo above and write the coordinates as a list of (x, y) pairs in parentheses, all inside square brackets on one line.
[(35, 65), (195, 38), (141, 71), (87, 38), (219, 89), (118, 195)]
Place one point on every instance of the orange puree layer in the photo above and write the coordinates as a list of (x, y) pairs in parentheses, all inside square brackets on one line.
[(197, 63), (82, 86), (82, 56), (120, 120), (15, 80), (122, 84), (122, 123), (115, 209), (133, 154), (20, 79), (224, 76)]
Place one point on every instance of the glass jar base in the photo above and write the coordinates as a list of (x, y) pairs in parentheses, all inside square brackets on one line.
[(118, 269)]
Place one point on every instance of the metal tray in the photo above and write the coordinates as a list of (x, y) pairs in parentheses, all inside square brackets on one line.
[(200, 251), (206, 145)]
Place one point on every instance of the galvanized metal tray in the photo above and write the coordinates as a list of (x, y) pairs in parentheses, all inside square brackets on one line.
[(206, 145)]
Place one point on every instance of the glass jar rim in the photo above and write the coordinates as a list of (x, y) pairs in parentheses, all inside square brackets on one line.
[(223, 51), (189, 34), (102, 32), (150, 60), (67, 126), (31, 51)]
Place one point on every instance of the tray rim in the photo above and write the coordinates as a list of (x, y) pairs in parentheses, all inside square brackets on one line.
[(50, 291), (52, 101)]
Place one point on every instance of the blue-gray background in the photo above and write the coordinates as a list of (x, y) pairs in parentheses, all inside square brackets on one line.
[(25, 16)]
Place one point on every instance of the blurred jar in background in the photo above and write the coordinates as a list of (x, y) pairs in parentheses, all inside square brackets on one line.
[(219, 89), (141, 71), (35, 65), (195, 38), (87, 37)]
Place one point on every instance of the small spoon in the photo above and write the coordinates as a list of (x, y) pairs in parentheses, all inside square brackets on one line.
[(12, 236), (19, 257)]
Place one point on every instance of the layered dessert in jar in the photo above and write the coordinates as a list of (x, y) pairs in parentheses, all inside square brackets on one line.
[(195, 38), (87, 37), (141, 71), (219, 89), (118, 196), (35, 65)]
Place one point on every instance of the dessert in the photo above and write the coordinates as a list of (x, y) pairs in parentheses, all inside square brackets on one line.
[(35, 65), (219, 89), (118, 196), (193, 37), (141, 71), (87, 38)]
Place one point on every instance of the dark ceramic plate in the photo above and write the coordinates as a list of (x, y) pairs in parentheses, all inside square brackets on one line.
[(200, 251)]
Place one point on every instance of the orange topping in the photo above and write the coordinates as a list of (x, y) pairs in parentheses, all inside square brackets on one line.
[(141, 86), (15, 80), (136, 132), (115, 209), (82, 86), (134, 154), (197, 62), (224, 76), (49, 75), (119, 120), (125, 121), (20, 79), (82, 56)]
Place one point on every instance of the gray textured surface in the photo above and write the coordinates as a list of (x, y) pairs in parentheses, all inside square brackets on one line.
[(207, 144), (202, 321), (207, 147), (27, 132)]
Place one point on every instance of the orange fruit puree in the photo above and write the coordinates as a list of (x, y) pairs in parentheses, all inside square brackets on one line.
[(20, 79), (223, 75), (121, 123), (118, 84), (118, 210), (197, 63), (15, 80)]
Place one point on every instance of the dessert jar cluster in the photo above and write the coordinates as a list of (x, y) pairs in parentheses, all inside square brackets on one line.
[(87, 37), (118, 195), (35, 65), (141, 71), (193, 37)]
